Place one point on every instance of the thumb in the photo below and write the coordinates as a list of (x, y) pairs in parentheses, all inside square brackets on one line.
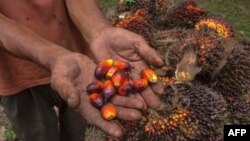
[(148, 54), (67, 91)]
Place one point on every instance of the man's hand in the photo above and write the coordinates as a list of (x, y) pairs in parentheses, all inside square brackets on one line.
[(108, 42), (71, 73), (117, 43)]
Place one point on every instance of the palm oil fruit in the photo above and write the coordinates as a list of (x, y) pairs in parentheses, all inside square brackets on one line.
[(125, 88), (111, 72), (96, 100), (118, 78), (108, 91), (140, 85), (114, 78), (108, 112), (95, 87), (107, 83), (149, 75), (102, 68), (122, 65)]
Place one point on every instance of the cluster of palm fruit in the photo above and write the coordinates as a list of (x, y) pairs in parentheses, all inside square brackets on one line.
[(206, 76), (113, 78), (187, 113), (165, 14), (137, 20)]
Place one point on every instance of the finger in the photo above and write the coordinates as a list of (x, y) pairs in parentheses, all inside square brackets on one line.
[(130, 101), (148, 54), (67, 91), (93, 117), (128, 114), (151, 98), (138, 96), (158, 88)]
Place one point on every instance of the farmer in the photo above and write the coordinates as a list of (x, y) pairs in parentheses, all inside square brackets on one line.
[(48, 53)]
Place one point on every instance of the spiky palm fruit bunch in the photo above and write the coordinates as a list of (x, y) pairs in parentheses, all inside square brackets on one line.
[(239, 109), (191, 110), (189, 52), (152, 6), (234, 78), (207, 106), (137, 23), (134, 5), (188, 113), (161, 6), (216, 24), (184, 14), (245, 42)]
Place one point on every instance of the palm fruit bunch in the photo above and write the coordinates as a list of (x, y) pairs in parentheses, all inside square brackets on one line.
[(162, 5), (204, 52), (216, 24), (152, 6), (188, 113), (184, 14), (134, 5), (163, 13), (113, 78), (240, 109), (188, 52), (137, 23), (206, 76), (234, 78), (233, 83)]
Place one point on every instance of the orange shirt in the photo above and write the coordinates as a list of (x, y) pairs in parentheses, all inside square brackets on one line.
[(47, 18)]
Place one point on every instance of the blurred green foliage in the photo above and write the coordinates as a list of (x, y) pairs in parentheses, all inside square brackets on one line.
[(10, 135), (108, 3)]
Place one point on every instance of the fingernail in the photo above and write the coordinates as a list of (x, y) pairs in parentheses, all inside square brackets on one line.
[(159, 107), (116, 133), (161, 90), (156, 104), (158, 88), (72, 102), (139, 105), (160, 63), (135, 115)]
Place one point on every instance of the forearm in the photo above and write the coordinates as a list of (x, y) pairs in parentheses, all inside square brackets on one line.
[(87, 16), (22, 42)]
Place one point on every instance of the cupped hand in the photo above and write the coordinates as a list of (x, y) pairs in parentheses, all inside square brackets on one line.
[(70, 74), (120, 44)]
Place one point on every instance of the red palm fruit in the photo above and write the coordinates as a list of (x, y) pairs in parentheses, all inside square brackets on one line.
[(149, 75), (126, 76), (95, 87), (111, 72), (118, 78), (109, 112), (102, 68), (140, 85), (108, 91), (125, 88), (107, 83), (122, 65), (96, 100)]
